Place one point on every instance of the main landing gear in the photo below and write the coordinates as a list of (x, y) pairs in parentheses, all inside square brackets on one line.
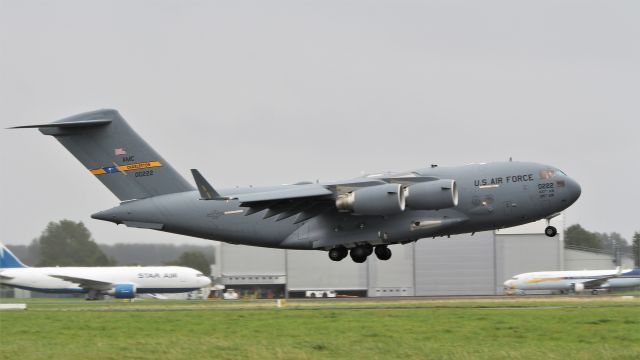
[(360, 253)]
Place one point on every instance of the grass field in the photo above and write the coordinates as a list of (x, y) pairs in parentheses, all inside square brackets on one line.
[(515, 328)]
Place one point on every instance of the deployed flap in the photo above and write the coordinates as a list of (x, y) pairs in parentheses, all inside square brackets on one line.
[(85, 283)]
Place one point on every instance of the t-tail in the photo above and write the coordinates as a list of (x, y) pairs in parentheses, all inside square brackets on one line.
[(8, 260), (112, 151)]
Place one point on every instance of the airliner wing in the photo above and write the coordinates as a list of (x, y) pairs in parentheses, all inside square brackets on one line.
[(597, 283), (85, 283)]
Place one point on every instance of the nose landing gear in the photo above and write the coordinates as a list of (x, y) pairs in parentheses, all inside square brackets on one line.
[(550, 231)]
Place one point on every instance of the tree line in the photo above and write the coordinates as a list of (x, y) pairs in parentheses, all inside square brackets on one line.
[(576, 235), (69, 243)]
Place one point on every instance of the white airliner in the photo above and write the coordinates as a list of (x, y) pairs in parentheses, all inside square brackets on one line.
[(122, 282), (574, 281)]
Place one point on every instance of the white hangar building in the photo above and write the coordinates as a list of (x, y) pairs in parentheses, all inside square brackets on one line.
[(460, 265)]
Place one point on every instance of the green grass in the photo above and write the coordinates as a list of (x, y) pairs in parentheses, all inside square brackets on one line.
[(518, 328)]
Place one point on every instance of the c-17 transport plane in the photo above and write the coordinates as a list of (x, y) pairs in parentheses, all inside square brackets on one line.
[(355, 217), (121, 282)]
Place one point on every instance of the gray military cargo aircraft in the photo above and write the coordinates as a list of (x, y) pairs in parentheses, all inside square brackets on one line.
[(355, 217)]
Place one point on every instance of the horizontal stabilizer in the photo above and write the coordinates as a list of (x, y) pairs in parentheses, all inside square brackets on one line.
[(5, 277), (69, 124)]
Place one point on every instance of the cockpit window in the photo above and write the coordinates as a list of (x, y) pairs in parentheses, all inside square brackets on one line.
[(199, 275), (547, 174), (561, 172)]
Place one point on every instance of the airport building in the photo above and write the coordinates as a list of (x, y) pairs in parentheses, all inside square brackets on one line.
[(466, 264)]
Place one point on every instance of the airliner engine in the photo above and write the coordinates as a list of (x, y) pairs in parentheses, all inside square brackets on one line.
[(123, 291)]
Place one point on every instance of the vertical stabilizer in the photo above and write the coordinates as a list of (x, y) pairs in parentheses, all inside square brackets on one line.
[(112, 151), (8, 260)]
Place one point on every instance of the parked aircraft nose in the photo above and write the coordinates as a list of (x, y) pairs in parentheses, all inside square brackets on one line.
[(509, 284), (204, 281)]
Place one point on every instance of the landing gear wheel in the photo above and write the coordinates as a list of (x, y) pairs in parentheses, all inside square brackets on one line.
[(338, 253), (594, 292), (369, 248), (359, 254), (550, 231), (383, 252)]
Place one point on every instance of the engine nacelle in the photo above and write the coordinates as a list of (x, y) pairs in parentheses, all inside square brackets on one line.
[(579, 287), (123, 291), (432, 195), (385, 199)]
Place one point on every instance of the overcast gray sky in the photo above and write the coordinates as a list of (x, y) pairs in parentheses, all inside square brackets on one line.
[(270, 92)]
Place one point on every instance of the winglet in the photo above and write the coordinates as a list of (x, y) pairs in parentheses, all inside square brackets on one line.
[(207, 192), (618, 271)]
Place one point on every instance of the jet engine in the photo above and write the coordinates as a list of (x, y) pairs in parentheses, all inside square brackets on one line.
[(387, 199), (579, 287), (432, 195), (123, 291)]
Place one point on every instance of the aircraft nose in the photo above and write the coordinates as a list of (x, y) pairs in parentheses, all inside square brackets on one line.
[(574, 189), (205, 281), (511, 284)]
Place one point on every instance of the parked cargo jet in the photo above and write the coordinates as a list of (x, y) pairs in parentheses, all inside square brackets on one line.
[(122, 282), (355, 217), (575, 281)]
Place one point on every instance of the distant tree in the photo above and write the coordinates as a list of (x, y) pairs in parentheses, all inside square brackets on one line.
[(195, 260), (636, 248), (153, 254), (611, 240), (578, 236), (68, 243), (23, 253)]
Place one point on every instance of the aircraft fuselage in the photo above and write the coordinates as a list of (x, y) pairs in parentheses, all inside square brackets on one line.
[(491, 196)]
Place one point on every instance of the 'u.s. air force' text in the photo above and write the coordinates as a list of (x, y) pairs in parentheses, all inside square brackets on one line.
[(503, 180)]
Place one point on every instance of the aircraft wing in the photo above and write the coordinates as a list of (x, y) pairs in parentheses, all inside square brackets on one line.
[(306, 200), (296, 192), (84, 282), (597, 283)]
